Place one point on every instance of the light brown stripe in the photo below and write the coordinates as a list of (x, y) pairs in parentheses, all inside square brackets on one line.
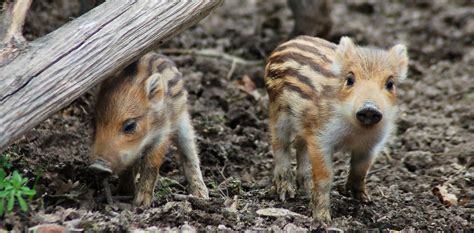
[(302, 60)]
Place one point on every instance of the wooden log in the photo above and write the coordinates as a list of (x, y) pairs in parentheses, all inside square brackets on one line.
[(59, 67)]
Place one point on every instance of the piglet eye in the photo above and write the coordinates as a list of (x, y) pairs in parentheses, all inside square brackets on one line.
[(129, 126), (389, 84), (350, 79)]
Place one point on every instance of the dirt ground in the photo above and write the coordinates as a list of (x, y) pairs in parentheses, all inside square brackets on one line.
[(433, 145)]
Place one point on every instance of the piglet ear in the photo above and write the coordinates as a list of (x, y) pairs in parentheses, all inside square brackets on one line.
[(344, 50), (399, 52), (345, 47), (155, 87)]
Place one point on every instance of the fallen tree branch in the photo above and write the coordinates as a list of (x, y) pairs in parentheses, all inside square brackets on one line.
[(212, 53), (340, 180)]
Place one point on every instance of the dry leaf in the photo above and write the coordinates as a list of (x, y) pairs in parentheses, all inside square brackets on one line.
[(248, 86), (444, 197), (231, 204), (41, 217)]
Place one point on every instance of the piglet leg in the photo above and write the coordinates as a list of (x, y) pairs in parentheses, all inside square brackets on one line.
[(147, 176), (322, 178), (189, 158), (283, 177), (360, 164), (303, 171)]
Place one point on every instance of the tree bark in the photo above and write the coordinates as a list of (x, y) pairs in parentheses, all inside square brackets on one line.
[(59, 67)]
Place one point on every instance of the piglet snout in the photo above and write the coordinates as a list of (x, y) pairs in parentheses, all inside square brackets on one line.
[(369, 114), (101, 166)]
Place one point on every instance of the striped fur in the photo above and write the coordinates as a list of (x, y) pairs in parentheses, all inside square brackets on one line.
[(149, 94), (312, 104)]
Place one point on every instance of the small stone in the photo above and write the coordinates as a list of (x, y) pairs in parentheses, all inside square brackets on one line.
[(48, 228), (275, 229), (168, 206), (149, 230), (290, 227), (334, 230), (278, 212), (186, 228), (416, 160)]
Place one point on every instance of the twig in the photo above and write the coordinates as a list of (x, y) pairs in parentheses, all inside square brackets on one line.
[(221, 171), (378, 169), (232, 69), (171, 181), (341, 179), (381, 192), (213, 54), (182, 197), (116, 198), (387, 155)]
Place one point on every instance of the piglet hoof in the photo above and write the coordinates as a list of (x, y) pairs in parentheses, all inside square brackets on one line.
[(362, 196), (143, 199), (199, 191), (321, 205), (359, 193), (322, 216), (283, 184), (318, 225)]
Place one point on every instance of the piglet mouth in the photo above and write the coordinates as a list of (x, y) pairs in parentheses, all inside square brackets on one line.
[(101, 167)]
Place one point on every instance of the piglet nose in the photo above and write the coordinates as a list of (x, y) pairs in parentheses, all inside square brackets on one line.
[(101, 166), (369, 115)]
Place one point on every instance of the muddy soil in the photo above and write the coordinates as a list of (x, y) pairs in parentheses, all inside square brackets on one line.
[(433, 144)]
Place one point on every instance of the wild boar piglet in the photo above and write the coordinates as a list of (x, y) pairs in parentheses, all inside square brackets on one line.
[(324, 98), (140, 111)]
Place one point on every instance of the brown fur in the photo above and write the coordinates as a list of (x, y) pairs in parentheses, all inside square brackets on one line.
[(310, 101), (149, 93)]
